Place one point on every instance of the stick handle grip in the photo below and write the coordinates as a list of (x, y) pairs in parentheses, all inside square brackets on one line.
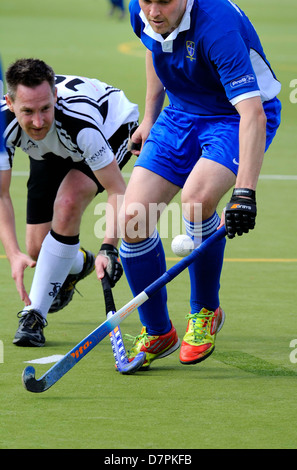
[(108, 297)]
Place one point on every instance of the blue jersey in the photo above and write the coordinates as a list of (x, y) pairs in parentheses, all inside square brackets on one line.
[(212, 61)]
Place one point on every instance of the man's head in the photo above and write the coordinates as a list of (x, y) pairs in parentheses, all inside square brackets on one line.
[(32, 95), (164, 16)]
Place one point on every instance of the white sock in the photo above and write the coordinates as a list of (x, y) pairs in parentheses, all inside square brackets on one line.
[(53, 265), (78, 264)]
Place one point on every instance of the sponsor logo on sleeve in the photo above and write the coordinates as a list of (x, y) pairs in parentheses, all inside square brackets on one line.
[(97, 155), (242, 81)]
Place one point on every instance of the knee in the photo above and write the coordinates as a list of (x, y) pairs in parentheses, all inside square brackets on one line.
[(199, 206), (66, 209), (134, 222)]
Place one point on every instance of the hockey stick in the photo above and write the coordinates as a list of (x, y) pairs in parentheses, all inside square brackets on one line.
[(122, 362), (58, 370)]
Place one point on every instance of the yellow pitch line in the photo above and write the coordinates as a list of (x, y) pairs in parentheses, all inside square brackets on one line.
[(252, 260), (238, 260), (261, 260)]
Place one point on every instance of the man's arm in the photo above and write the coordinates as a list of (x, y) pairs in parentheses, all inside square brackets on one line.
[(155, 95), (18, 260), (252, 140), (241, 211), (112, 180)]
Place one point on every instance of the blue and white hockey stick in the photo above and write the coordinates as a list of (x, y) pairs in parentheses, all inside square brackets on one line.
[(58, 370), (118, 347)]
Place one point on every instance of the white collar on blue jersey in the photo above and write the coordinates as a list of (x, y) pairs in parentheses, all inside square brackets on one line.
[(167, 44)]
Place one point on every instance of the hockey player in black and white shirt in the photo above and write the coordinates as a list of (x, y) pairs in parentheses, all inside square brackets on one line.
[(75, 131)]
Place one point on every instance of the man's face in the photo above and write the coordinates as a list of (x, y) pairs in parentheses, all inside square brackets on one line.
[(34, 109), (163, 15)]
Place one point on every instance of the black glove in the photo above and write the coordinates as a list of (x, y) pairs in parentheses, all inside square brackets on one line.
[(240, 212), (114, 268)]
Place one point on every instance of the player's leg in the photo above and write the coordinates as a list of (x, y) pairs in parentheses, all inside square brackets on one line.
[(166, 160), (143, 259), (207, 184), (74, 195), (43, 184), (35, 234), (58, 254), (44, 180), (76, 191)]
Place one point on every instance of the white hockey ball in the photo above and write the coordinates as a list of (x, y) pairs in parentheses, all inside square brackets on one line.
[(182, 245)]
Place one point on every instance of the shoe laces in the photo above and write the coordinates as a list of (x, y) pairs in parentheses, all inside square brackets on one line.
[(71, 284), (200, 323), (143, 337), (31, 318)]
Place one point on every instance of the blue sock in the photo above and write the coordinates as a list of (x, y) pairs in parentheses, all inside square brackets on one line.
[(205, 272), (143, 263)]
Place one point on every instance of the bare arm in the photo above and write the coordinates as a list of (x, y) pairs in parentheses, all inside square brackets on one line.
[(155, 95), (111, 178), (241, 211), (252, 139), (18, 260)]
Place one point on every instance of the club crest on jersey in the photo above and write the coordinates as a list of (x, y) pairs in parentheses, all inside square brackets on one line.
[(191, 49)]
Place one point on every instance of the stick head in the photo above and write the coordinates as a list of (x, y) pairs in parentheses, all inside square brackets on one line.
[(31, 384), (28, 377), (132, 367)]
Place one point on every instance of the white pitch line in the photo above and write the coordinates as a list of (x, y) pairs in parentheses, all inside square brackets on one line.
[(279, 177), (46, 360), (262, 177), (20, 173)]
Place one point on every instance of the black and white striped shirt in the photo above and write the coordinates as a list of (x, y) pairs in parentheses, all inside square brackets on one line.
[(87, 113)]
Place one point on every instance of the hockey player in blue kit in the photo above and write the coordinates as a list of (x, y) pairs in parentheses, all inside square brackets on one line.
[(223, 114)]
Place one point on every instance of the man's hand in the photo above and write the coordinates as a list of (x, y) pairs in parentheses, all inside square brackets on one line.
[(134, 147), (108, 262), (240, 212), (19, 263)]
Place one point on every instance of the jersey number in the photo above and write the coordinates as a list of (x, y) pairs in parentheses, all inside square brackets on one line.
[(70, 85), (103, 109)]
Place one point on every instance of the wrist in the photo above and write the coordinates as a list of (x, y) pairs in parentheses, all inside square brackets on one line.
[(108, 247), (244, 192)]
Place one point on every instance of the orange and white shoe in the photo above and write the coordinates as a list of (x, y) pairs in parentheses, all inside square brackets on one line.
[(155, 347), (199, 340)]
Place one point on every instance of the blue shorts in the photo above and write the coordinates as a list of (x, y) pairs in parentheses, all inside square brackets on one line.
[(178, 139)]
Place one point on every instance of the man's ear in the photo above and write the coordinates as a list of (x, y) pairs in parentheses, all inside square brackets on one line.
[(9, 102)]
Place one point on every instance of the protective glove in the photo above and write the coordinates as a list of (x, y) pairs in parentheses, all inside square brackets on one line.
[(240, 212), (114, 269)]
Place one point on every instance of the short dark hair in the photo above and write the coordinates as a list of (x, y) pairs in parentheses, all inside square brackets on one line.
[(30, 73)]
